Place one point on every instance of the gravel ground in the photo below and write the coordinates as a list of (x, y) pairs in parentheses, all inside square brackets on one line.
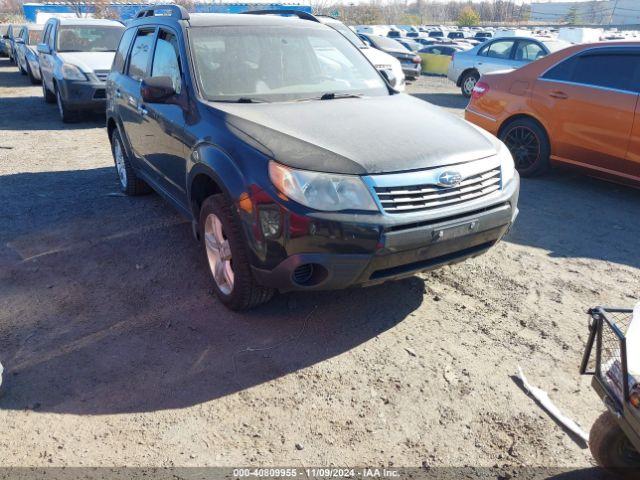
[(116, 353)]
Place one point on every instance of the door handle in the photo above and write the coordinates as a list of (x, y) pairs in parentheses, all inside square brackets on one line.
[(559, 95), (143, 111)]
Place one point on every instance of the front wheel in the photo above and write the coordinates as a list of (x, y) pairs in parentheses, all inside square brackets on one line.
[(32, 77), (227, 256), (46, 94), (612, 449), (66, 115), (468, 82), (529, 145)]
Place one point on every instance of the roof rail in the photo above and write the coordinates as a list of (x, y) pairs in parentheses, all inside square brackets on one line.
[(298, 13), (176, 11)]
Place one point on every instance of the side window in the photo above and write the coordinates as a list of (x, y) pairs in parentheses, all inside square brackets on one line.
[(610, 70), (123, 48), (528, 51), (140, 53), (166, 58), (52, 36), (563, 71), (45, 37), (499, 49)]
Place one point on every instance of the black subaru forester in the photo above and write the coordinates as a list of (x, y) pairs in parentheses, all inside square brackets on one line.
[(297, 163)]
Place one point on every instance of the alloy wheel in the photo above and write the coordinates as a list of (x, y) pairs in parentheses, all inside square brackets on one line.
[(524, 145), (469, 84), (118, 155), (219, 254)]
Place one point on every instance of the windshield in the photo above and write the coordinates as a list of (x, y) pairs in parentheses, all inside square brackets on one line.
[(35, 36), (279, 64), (347, 32), (76, 38), (388, 43)]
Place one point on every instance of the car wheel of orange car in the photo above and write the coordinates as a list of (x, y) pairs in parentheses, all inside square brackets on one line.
[(529, 145)]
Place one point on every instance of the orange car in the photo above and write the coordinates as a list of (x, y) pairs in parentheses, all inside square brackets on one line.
[(578, 106)]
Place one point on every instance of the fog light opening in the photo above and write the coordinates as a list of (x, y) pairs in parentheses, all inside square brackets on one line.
[(309, 274)]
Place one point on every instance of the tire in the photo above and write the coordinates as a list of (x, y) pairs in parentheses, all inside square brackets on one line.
[(529, 144), (46, 94), (236, 289), (612, 449), (32, 78), (130, 183), (468, 81), (66, 115)]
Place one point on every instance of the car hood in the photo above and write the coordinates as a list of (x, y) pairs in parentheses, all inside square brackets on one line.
[(358, 135), (89, 61)]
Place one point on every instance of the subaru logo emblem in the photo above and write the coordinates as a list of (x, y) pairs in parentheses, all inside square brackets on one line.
[(449, 179)]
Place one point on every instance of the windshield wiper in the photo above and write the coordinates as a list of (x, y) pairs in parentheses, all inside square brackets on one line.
[(243, 100), (333, 96)]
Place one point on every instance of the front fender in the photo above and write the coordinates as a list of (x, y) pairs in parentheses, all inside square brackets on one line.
[(212, 161)]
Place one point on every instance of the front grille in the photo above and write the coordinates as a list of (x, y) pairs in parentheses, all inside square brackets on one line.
[(102, 75), (430, 196)]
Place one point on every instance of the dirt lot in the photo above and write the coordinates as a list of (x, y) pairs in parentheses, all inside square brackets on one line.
[(115, 352)]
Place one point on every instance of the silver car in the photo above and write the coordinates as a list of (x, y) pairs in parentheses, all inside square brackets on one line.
[(75, 57), (27, 53), (503, 53)]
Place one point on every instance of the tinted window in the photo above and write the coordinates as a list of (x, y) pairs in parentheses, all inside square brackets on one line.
[(123, 48), (498, 49), (610, 70), (528, 51), (88, 39), (166, 61), (140, 53)]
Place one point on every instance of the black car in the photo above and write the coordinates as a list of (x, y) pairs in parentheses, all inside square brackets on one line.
[(411, 63), (298, 165)]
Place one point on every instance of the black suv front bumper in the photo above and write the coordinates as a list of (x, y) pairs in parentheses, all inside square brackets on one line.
[(399, 251)]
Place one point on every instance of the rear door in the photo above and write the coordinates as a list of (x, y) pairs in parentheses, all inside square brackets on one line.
[(495, 56), (163, 148), (127, 92), (589, 102)]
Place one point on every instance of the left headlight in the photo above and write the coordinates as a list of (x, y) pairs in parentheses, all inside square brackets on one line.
[(507, 167), (71, 72), (322, 191)]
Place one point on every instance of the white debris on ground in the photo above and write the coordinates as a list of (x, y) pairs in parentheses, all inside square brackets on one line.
[(550, 407)]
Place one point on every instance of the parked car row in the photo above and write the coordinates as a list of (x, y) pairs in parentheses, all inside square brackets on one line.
[(577, 107)]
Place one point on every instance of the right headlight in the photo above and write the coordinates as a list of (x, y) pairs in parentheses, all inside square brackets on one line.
[(71, 72), (321, 191), (507, 166)]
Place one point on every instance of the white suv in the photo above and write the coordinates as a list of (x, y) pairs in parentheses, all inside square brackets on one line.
[(75, 58)]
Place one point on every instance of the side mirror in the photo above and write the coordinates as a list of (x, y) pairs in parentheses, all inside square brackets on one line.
[(389, 77), (157, 89), (44, 48)]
